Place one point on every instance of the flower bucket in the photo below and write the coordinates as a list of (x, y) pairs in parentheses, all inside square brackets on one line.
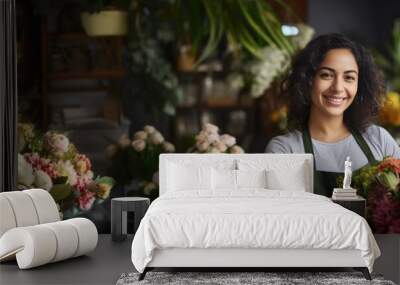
[(105, 23)]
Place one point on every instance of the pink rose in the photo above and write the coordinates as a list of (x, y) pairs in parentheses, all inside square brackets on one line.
[(86, 200), (57, 144)]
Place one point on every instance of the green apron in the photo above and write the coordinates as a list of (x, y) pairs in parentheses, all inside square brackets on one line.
[(324, 181)]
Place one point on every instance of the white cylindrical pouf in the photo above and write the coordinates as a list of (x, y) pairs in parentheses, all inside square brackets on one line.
[(67, 240), (45, 205), (34, 246), (87, 235), (23, 208), (7, 218)]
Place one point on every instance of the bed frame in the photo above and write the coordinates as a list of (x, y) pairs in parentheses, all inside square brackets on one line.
[(240, 259)]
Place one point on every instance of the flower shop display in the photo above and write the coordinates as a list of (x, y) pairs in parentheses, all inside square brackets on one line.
[(137, 159), (51, 162), (257, 74), (379, 184), (389, 115), (209, 141)]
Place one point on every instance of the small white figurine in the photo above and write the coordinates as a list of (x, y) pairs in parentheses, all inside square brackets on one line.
[(347, 173)]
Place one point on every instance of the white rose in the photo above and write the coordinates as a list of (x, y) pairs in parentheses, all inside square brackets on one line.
[(43, 180), (138, 145), (210, 128), (221, 146), (202, 146), (236, 149), (140, 135), (168, 147), (89, 175), (124, 141), (149, 129), (214, 150), (156, 138), (65, 168), (201, 136), (212, 137), (56, 143), (25, 171), (111, 150), (228, 140)]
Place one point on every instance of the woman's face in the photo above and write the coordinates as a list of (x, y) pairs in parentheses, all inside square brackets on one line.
[(335, 83)]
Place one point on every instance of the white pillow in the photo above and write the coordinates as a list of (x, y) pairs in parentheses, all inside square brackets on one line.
[(282, 174), (293, 179), (224, 179), (251, 178), (181, 177)]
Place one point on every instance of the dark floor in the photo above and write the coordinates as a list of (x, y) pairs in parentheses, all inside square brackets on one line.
[(102, 266)]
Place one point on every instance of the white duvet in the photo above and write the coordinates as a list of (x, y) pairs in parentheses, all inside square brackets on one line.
[(252, 218)]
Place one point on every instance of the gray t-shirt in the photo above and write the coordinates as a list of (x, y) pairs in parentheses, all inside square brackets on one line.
[(331, 156)]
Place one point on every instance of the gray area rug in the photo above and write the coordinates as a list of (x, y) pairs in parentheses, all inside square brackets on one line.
[(229, 278)]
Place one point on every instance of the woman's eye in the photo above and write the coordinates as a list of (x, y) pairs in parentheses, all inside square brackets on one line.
[(326, 75), (350, 78)]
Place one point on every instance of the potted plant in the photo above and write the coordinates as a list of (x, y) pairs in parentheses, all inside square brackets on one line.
[(251, 26), (105, 17)]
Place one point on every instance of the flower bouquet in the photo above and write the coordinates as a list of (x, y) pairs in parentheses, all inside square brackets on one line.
[(379, 184), (49, 161), (137, 159), (209, 141)]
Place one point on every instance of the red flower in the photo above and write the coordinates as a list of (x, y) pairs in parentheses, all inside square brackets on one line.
[(390, 163)]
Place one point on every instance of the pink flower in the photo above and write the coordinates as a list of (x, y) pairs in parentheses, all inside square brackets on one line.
[(82, 183), (86, 200), (43, 164), (57, 144), (82, 164)]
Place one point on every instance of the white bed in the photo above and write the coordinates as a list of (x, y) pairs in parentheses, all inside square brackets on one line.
[(199, 224)]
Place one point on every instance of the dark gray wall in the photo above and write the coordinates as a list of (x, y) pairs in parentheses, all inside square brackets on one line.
[(368, 21)]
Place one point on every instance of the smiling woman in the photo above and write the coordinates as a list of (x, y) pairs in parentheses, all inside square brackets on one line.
[(334, 91)]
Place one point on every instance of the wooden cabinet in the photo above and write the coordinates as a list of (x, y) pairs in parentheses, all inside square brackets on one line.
[(207, 98), (74, 56)]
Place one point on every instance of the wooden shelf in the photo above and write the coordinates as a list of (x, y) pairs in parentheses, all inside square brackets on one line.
[(96, 74), (79, 36)]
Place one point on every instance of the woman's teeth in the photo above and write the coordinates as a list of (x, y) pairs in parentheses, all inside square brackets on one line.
[(334, 100)]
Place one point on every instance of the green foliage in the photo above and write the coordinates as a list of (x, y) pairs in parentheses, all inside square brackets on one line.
[(152, 78), (61, 191), (390, 64), (128, 164), (249, 24), (365, 180), (105, 180)]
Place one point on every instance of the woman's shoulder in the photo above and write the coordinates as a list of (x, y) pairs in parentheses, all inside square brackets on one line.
[(382, 141), (291, 142)]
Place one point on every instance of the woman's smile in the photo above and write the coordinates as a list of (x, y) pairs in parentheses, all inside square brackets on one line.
[(335, 84), (334, 101)]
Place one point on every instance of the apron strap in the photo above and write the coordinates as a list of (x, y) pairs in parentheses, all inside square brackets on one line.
[(308, 147), (363, 145)]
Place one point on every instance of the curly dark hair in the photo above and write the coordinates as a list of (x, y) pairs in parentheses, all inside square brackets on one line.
[(297, 86)]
